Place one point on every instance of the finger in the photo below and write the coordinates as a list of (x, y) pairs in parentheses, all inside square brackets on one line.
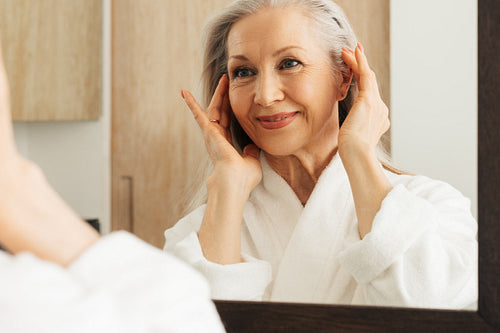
[(214, 109), (361, 59), (251, 150), (367, 79), (199, 114), (226, 112), (4, 90), (350, 60), (6, 134)]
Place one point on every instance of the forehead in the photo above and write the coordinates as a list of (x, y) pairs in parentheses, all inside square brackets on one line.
[(272, 29)]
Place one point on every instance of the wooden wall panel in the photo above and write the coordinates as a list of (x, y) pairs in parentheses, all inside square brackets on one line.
[(52, 50), (370, 20), (156, 144), (371, 23)]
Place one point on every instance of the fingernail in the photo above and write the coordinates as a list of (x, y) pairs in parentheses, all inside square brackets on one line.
[(350, 51), (182, 93), (361, 47)]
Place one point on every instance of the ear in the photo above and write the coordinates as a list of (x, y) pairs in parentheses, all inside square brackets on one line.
[(344, 86)]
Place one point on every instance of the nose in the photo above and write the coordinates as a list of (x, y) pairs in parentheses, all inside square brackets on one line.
[(268, 90)]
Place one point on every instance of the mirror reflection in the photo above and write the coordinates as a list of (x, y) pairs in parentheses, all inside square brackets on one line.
[(313, 210), (302, 202)]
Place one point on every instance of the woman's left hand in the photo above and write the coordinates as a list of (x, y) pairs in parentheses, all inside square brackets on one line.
[(368, 118), (362, 129)]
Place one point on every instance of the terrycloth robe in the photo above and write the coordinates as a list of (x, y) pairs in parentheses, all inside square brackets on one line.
[(119, 284), (421, 251)]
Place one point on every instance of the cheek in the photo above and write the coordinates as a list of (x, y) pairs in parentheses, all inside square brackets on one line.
[(239, 100), (320, 90), (316, 92), (305, 88)]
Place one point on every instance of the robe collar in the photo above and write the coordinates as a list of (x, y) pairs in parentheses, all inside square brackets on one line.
[(299, 241)]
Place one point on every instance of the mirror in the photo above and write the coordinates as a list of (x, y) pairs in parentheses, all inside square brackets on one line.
[(411, 96), (253, 317), (201, 13), (161, 78)]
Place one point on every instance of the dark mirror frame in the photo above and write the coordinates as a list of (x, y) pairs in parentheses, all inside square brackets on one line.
[(287, 317)]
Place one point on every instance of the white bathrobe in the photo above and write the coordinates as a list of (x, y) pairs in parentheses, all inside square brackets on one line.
[(120, 284), (421, 251)]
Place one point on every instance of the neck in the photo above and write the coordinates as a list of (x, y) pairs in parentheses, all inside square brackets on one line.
[(302, 169)]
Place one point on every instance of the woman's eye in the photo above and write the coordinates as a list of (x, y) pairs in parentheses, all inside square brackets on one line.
[(242, 72), (289, 63)]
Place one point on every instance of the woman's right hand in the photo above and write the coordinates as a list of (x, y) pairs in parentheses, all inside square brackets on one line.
[(235, 175), (229, 165)]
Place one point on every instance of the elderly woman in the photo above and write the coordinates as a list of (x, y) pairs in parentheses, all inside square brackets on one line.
[(301, 207)]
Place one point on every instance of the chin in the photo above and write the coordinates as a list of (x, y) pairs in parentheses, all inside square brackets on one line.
[(278, 149)]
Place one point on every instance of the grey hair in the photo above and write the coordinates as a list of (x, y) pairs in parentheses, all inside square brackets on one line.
[(335, 32)]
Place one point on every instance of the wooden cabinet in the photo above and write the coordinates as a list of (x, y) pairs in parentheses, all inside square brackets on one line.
[(156, 144), (52, 50)]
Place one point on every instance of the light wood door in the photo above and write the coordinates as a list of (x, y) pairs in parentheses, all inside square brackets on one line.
[(156, 144), (52, 52)]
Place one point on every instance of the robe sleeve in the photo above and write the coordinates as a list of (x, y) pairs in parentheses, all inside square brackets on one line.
[(421, 252), (243, 281), (120, 284)]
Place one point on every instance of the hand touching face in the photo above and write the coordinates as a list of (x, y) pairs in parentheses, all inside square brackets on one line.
[(368, 118)]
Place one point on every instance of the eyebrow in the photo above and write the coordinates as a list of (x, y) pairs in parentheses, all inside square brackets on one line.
[(283, 49)]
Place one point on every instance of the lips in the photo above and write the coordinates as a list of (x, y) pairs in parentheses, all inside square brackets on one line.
[(277, 120)]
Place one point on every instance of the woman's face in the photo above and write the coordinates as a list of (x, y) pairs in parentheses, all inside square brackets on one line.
[(282, 89)]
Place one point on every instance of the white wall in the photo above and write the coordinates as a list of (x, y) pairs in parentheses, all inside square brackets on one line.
[(434, 90), (75, 156)]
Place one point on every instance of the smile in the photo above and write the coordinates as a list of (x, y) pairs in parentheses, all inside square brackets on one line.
[(278, 120)]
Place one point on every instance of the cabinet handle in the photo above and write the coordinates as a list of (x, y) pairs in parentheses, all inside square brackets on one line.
[(126, 204)]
